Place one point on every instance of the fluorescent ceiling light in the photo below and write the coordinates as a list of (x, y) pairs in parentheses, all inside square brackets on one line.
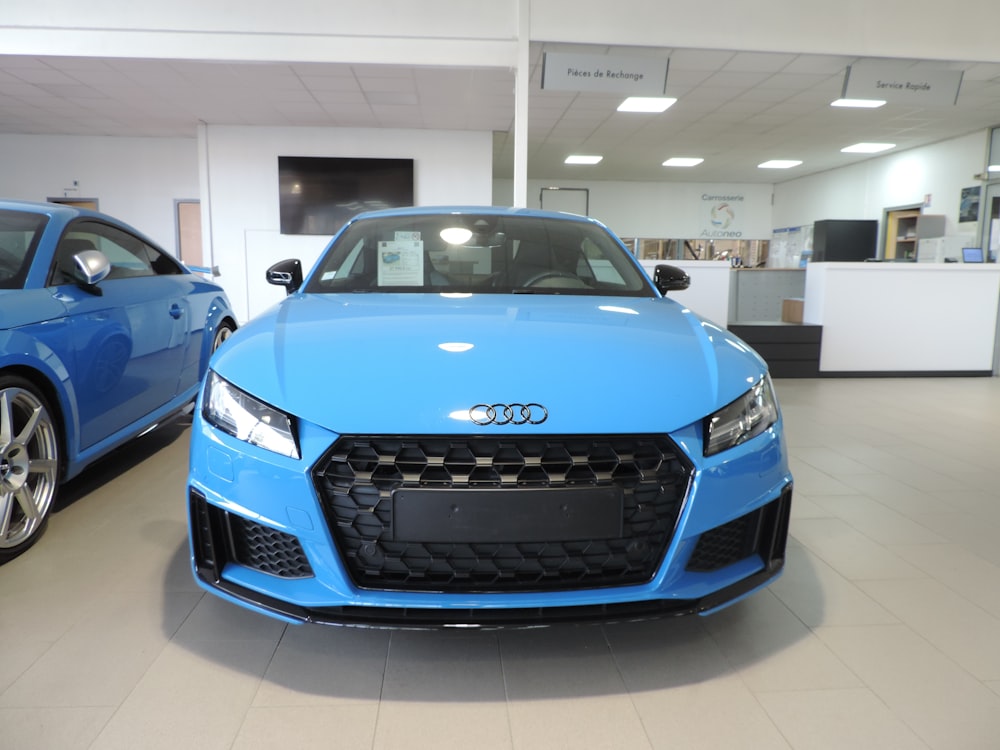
[(683, 161), (456, 235), (861, 103), (779, 164), (646, 104), (867, 148), (993, 168), (583, 159)]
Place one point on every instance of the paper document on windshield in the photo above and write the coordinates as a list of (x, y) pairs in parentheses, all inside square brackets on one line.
[(401, 263)]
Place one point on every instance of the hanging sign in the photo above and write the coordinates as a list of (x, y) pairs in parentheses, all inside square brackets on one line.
[(634, 76), (896, 82)]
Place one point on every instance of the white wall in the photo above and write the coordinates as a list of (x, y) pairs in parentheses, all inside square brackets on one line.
[(241, 173), (134, 179), (663, 209), (863, 191)]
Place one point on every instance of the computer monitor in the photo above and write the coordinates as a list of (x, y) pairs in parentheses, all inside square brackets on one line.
[(972, 255)]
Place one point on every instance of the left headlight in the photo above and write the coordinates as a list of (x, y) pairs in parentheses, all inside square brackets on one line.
[(745, 418), (241, 415)]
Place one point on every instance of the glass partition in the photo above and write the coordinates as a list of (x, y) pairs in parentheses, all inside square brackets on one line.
[(741, 253)]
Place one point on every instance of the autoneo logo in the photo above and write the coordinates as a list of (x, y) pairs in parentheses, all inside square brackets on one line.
[(721, 216)]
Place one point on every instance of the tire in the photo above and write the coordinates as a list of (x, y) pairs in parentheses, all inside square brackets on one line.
[(223, 332), (29, 465)]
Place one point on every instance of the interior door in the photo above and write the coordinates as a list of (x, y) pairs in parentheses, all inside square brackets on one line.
[(990, 208)]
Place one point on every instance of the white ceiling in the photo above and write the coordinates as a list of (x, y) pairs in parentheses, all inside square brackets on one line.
[(735, 109)]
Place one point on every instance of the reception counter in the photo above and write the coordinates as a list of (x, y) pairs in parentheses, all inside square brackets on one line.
[(877, 319), (904, 318)]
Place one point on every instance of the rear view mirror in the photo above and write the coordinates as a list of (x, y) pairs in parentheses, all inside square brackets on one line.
[(668, 278)]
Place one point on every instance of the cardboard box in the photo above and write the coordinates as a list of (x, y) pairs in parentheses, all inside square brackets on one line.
[(791, 310)]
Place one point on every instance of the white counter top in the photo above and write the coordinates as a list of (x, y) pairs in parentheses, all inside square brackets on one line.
[(904, 317)]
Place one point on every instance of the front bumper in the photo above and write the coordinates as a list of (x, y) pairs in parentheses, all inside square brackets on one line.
[(213, 546), (261, 537)]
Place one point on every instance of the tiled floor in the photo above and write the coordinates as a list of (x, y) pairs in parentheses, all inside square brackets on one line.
[(883, 633)]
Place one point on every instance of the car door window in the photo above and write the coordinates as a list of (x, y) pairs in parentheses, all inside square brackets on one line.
[(129, 256), (19, 234)]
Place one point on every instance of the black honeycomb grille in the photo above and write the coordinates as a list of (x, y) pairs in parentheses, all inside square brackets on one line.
[(359, 476), (762, 532), (724, 545), (266, 549)]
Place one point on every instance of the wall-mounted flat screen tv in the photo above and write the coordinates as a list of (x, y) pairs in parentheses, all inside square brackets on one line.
[(318, 195)]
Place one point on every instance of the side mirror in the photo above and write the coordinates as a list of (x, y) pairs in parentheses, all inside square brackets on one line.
[(286, 273), (670, 279), (90, 267)]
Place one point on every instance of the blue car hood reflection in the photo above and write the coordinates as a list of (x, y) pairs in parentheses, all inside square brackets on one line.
[(416, 363)]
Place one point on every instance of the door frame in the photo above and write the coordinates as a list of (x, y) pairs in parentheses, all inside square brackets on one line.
[(887, 217)]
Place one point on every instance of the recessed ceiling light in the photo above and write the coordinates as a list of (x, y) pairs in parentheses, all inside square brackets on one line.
[(646, 104), (583, 159), (861, 103), (779, 164), (683, 161), (867, 148)]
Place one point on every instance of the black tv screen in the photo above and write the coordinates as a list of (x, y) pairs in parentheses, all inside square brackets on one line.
[(318, 195)]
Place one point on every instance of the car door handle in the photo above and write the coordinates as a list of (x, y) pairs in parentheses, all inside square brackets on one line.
[(176, 311)]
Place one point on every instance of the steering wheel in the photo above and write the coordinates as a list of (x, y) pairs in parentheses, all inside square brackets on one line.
[(546, 275)]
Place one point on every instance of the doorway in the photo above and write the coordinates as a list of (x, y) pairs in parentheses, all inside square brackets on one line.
[(900, 235), (990, 211), (89, 203), (188, 217)]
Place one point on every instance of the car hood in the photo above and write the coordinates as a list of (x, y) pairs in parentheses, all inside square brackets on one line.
[(416, 363)]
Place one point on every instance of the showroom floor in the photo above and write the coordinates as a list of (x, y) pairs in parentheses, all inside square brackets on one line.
[(883, 633)]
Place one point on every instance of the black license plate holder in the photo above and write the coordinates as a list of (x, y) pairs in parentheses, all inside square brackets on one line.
[(507, 515)]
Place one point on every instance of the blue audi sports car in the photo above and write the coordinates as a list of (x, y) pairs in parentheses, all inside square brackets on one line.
[(103, 335), (484, 417)]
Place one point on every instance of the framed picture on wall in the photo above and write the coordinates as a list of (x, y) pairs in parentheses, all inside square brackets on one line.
[(968, 207)]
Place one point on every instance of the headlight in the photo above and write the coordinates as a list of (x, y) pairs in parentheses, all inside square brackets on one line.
[(746, 417), (244, 417)]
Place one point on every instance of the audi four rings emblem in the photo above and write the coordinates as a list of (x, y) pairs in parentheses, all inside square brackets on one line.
[(484, 414)]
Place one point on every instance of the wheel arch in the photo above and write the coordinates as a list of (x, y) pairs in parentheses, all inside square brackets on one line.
[(219, 314), (55, 397)]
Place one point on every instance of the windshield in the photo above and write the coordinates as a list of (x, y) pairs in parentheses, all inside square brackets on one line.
[(478, 253), (19, 233)]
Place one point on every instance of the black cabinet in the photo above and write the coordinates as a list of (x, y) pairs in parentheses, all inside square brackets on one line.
[(791, 350), (844, 240)]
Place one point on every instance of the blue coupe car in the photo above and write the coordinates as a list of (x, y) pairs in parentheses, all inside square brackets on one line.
[(484, 417), (102, 336)]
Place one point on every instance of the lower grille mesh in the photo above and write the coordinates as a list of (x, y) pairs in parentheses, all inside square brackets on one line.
[(359, 476), (762, 532), (725, 544), (267, 550)]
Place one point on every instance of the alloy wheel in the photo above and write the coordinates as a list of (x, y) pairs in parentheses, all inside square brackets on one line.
[(29, 466)]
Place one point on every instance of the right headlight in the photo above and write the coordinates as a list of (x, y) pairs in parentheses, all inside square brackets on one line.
[(745, 418), (241, 415)]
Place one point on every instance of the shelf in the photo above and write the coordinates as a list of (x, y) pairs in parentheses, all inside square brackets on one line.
[(906, 228)]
